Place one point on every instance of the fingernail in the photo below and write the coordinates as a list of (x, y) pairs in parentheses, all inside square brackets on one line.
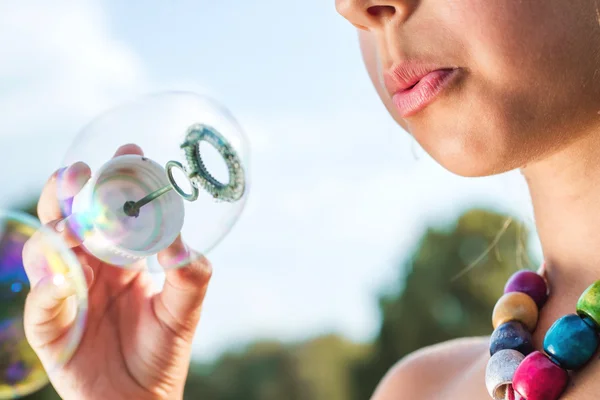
[(72, 180), (60, 226), (130, 148), (60, 172), (78, 173)]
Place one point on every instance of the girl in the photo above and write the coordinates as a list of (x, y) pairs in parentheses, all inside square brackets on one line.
[(486, 87)]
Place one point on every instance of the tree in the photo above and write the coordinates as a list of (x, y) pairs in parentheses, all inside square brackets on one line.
[(435, 300), (267, 370), (313, 369)]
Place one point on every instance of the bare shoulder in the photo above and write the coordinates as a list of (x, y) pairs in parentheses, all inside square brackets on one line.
[(431, 371)]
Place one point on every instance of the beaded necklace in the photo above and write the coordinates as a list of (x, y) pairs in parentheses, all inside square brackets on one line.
[(516, 370)]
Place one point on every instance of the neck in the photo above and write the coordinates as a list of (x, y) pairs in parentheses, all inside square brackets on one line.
[(565, 190)]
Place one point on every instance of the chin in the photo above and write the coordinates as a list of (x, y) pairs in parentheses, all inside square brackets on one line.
[(468, 153), (472, 165)]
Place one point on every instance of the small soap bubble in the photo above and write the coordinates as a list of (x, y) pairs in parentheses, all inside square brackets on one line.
[(21, 372)]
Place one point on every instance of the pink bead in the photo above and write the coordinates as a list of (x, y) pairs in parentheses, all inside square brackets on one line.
[(538, 378)]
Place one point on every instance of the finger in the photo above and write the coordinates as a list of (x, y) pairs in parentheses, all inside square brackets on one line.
[(51, 305), (40, 250), (178, 305), (129, 149), (88, 270), (66, 183), (60, 188), (70, 229)]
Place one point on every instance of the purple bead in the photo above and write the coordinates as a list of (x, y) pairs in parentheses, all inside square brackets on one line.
[(530, 283)]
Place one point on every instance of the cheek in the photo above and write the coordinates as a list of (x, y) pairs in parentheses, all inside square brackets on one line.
[(530, 79), (530, 53), (504, 41)]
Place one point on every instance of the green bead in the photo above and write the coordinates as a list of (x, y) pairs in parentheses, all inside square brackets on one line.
[(589, 303)]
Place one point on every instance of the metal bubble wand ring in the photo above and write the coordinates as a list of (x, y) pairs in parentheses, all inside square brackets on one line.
[(197, 173)]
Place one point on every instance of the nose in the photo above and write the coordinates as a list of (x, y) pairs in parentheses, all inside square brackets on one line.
[(373, 14)]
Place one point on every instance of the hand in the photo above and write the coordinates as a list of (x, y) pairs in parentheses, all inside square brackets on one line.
[(136, 343)]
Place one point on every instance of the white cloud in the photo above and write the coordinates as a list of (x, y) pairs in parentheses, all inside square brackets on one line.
[(59, 59), (60, 66)]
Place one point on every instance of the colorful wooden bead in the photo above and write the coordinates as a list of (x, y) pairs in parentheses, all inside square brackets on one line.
[(530, 283), (500, 370), (538, 378), (590, 322), (589, 303), (571, 342), (516, 306), (511, 335)]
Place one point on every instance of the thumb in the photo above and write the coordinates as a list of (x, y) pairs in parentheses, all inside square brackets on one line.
[(179, 304), (40, 253), (52, 304), (50, 321), (48, 311)]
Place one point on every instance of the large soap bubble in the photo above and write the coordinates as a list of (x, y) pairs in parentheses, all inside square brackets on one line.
[(189, 177)]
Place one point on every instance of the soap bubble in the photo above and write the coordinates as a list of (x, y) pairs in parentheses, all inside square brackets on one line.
[(21, 372), (189, 144)]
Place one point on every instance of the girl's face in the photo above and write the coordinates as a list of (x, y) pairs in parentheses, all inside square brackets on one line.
[(499, 83)]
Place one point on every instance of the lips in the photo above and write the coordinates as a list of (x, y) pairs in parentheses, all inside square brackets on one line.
[(415, 86)]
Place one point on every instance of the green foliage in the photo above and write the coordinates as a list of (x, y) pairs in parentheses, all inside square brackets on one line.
[(434, 305), (428, 305), (46, 393), (313, 369)]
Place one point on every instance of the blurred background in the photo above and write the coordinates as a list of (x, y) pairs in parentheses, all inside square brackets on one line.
[(345, 257)]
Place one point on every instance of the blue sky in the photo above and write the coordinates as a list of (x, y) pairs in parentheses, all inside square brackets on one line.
[(340, 194)]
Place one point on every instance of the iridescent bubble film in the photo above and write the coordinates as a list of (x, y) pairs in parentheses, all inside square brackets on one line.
[(21, 372), (191, 157)]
